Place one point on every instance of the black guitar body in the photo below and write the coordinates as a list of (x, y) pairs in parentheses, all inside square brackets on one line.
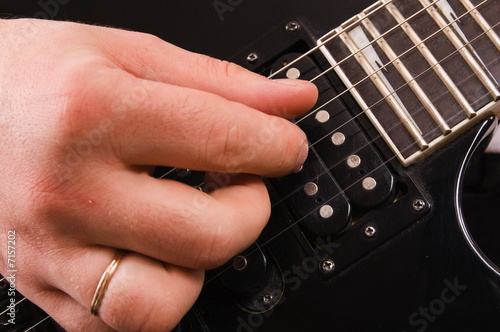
[(404, 259), (423, 275), (426, 278)]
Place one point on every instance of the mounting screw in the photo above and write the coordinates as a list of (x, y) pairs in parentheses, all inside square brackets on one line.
[(418, 205), (370, 231), (292, 26), (253, 58), (268, 299), (327, 266)]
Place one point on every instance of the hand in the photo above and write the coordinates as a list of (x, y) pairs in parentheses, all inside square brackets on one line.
[(85, 113)]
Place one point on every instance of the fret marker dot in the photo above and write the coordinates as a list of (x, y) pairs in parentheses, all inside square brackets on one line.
[(353, 161), (338, 139), (326, 211), (293, 73), (311, 189), (369, 183), (322, 116)]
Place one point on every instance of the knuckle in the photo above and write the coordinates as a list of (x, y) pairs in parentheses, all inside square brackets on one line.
[(219, 246), (80, 96), (228, 146), (219, 68)]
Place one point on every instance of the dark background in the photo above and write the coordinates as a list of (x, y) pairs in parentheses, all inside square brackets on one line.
[(193, 24)]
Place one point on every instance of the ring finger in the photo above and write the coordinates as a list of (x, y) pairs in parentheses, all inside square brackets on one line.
[(143, 293)]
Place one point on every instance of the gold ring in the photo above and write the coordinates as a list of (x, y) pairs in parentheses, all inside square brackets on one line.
[(104, 282)]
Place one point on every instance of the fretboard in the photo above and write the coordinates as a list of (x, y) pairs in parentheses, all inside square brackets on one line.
[(422, 71)]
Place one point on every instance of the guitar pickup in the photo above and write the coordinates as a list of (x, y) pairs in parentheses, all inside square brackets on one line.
[(321, 206)]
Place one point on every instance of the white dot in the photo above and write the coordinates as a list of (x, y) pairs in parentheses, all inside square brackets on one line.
[(293, 73), (326, 211), (322, 116), (353, 161), (311, 189), (369, 183), (338, 139)]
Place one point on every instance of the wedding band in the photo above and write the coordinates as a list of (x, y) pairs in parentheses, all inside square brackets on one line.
[(104, 282)]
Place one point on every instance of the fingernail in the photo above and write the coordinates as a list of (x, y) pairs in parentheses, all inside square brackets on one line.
[(304, 151), (290, 82)]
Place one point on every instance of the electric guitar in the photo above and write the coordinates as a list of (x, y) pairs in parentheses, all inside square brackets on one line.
[(370, 234)]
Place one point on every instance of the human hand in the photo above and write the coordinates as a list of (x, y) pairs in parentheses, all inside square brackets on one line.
[(85, 113)]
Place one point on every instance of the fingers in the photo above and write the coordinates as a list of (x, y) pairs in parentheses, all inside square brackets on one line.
[(155, 305), (181, 127), (157, 60), (143, 294), (170, 221)]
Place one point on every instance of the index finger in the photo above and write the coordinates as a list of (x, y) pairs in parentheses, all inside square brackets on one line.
[(186, 128), (151, 58)]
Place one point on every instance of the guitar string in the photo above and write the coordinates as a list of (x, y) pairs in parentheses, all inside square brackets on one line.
[(413, 48), (293, 224), (392, 93), (317, 47), (282, 199), (38, 323), (18, 302), (371, 43), (375, 40), (368, 76), (319, 108)]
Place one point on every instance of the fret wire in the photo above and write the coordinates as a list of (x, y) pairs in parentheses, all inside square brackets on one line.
[(407, 76), (371, 43), (381, 100), (429, 57), (464, 52), (385, 91), (390, 62), (482, 23)]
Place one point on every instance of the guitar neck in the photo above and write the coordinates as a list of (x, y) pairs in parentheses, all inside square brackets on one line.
[(422, 71)]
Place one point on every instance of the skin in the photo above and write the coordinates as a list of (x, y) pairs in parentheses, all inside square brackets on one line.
[(86, 111)]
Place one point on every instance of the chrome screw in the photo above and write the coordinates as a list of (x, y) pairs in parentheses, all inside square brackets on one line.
[(327, 266), (292, 26), (268, 299), (418, 205), (252, 58), (370, 231)]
